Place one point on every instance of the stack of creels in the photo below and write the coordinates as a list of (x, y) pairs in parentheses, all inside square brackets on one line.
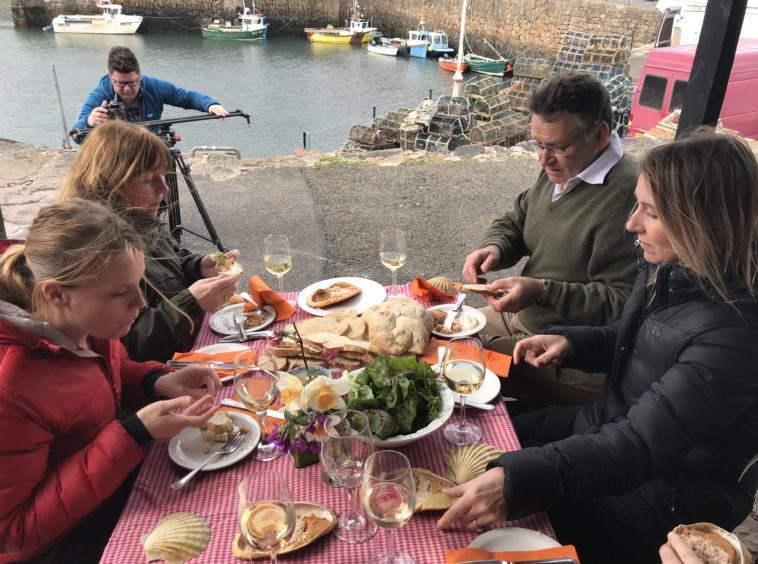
[(528, 67), (370, 138), (390, 129), (438, 143), (453, 105), (576, 39), (484, 86), (507, 131), (398, 116), (492, 108)]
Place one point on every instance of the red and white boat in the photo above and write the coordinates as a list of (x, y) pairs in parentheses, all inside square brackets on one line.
[(452, 64)]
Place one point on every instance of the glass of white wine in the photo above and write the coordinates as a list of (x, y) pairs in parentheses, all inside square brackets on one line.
[(277, 257), (265, 511), (256, 385), (389, 498), (392, 251), (463, 371), (347, 445)]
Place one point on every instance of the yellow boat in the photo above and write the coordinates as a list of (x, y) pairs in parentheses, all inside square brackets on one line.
[(358, 31)]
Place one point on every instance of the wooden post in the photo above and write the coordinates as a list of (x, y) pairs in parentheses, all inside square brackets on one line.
[(712, 65)]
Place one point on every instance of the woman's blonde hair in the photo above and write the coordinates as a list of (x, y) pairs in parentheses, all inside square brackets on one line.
[(112, 155), (705, 189), (68, 243)]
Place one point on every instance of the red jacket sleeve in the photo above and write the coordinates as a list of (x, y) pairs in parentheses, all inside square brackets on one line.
[(132, 375)]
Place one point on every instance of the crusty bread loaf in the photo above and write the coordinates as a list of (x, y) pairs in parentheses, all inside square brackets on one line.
[(218, 429), (711, 543), (345, 323), (334, 294), (429, 496), (397, 326)]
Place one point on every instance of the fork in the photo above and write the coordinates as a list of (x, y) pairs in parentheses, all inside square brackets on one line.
[(230, 446), (246, 296), (239, 323)]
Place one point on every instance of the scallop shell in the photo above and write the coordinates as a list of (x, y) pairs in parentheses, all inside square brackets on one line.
[(469, 461), (444, 284), (177, 537)]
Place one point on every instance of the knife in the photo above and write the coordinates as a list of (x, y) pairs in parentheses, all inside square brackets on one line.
[(476, 405), (453, 313), (249, 336), (233, 403), (566, 560)]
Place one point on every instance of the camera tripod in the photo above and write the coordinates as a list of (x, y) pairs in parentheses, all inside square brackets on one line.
[(179, 166)]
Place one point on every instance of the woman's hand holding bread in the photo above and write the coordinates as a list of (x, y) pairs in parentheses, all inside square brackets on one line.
[(164, 419), (193, 381)]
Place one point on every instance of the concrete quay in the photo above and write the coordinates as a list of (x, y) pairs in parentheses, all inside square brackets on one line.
[(331, 205)]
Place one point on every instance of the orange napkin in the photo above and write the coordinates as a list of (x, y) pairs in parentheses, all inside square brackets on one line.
[(499, 363), (426, 291), (271, 423), (218, 357), (456, 555), (263, 295)]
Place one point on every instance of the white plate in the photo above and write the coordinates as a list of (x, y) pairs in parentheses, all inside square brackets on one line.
[(478, 316), (513, 538), (189, 450), (222, 320), (221, 348), (489, 390), (445, 413), (372, 293)]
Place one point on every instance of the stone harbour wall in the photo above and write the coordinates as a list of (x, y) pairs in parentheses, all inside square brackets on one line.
[(511, 26)]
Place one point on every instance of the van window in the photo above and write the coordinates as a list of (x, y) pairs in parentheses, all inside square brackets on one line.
[(677, 95), (667, 27), (653, 91)]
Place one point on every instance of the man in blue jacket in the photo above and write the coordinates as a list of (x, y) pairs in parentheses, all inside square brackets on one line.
[(144, 95)]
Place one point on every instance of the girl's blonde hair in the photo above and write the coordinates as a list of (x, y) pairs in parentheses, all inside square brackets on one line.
[(112, 155), (68, 243), (705, 189)]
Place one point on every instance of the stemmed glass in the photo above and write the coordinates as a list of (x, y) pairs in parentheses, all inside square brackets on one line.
[(392, 251), (277, 257), (347, 445), (255, 382), (389, 498), (463, 371), (265, 511)]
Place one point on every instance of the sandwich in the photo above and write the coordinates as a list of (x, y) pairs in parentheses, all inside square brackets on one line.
[(714, 545), (226, 265), (334, 294), (429, 496), (218, 429), (482, 290)]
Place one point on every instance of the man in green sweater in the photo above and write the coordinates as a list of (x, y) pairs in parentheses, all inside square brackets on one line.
[(570, 224)]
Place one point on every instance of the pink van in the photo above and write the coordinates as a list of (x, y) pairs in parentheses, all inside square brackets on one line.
[(663, 79)]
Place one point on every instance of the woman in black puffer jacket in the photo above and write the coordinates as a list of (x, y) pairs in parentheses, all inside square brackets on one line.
[(673, 439)]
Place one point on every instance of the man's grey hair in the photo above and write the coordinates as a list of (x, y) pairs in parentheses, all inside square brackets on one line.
[(576, 93)]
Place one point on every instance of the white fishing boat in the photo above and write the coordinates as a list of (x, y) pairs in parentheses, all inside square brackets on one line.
[(383, 46), (110, 22)]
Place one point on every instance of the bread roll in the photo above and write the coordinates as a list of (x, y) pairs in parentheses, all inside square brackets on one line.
[(713, 545), (218, 429)]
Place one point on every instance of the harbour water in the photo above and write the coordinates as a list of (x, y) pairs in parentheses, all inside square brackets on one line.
[(286, 84)]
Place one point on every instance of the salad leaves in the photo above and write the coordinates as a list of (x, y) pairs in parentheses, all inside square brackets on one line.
[(403, 388)]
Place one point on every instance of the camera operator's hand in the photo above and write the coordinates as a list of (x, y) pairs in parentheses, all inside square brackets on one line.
[(98, 115), (217, 110), (212, 293)]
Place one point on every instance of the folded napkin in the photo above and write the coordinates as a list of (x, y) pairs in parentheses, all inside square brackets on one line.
[(457, 555), (426, 291), (263, 295), (195, 356), (271, 423), (499, 363)]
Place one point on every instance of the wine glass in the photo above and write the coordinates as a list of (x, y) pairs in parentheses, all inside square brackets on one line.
[(389, 498), (392, 251), (255, 382), (463, 371), (277, 257), (347, 445), (265, 511)]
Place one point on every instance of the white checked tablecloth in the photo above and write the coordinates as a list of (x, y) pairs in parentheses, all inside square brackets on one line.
[(213, 496)]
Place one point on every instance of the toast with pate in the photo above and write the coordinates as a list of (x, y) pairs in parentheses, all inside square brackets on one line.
[(334, 294), (226, 265)]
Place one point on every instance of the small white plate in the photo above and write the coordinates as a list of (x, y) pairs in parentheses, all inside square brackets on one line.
[(513, 538), (372, 293), (489, 390), (221, 348), (189, 450), (477, 316), (222, 320)]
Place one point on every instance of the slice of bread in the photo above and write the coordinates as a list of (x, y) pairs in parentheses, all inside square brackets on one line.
[(218, 429), (334, 294), (429, 496), (226, 265), (710, 543), (482, 289)]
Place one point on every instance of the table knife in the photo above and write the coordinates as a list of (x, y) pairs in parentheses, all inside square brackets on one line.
[(453, 313), (239, 405)]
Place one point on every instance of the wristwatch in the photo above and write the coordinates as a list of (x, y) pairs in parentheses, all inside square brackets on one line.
[(539, 301)]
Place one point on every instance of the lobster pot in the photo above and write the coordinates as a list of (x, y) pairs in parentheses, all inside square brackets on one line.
[(621, 121), (618, 87), (450, 125), (390, 129), (570, 55), (370, 137), (397, 116), (408, 140), (453, 106), (563, 66), (531, 67), (519, 101), (617, 42), (434, 142), (489, 108), (353, 146), (512, 128), (576, 39), (488, 132), (516, 128), (601, 57), (602, 72), (484, 87)]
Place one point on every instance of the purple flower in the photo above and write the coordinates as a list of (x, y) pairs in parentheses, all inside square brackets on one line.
[(301, 445), (315, 448)]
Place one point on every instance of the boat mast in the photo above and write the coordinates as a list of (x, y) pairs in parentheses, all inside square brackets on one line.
[(458, 76)]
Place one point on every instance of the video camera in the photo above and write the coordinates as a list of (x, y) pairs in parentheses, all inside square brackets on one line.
[(123, 111)]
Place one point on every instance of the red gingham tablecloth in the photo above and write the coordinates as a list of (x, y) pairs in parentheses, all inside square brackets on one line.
[(213, 496)]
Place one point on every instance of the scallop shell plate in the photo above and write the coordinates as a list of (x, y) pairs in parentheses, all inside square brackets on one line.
[(444, 284), (177, 537), (469, 461)]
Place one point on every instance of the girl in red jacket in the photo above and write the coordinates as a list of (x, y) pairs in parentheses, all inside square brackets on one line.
[(66, 297)]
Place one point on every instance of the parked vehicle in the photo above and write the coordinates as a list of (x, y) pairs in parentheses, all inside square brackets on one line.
[(682, 20), (664, 77)]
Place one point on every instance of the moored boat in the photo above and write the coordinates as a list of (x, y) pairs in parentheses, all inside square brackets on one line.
[(485, 65), (448, 63), (252, 26), (383, 46), (110, 22), (436, 41), (359, 30)]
